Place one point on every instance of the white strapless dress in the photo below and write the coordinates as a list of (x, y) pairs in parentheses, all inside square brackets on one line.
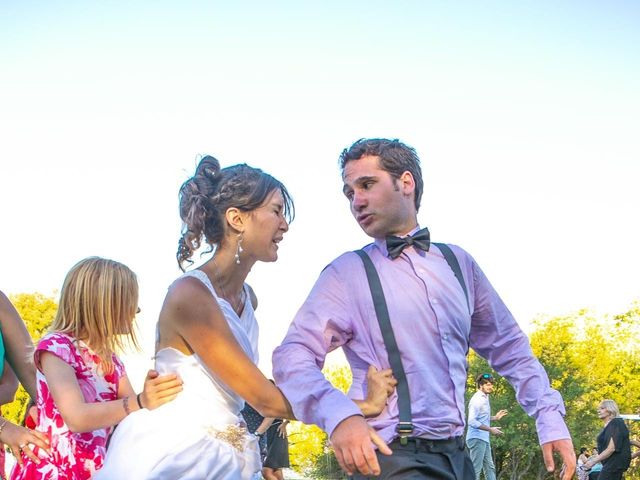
[(201, 434)]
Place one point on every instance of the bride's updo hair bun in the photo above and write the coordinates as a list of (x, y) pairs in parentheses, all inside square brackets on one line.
[(208, 167), (205, 198)]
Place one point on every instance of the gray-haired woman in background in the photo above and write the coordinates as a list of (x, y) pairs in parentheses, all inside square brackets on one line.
[(614, 448)]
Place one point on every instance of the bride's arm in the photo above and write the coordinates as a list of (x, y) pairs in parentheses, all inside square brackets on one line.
[(82, 416), (189, 310), (380, 384)]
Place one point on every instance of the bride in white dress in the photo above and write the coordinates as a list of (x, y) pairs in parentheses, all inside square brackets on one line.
[(200, 435), (207, 333)]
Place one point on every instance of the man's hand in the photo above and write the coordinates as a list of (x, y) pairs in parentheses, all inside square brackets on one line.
[(500, 414), (565, 448), (495, 431), (352, 442)]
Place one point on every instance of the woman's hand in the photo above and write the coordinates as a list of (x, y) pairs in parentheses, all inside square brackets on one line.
[(159, 390), (282, 428), (21, 440), (380, 384)]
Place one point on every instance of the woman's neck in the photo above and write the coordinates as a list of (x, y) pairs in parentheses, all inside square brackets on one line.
[(226, 273), (227, 277)]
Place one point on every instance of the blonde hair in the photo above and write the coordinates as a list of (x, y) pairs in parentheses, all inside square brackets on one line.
[(98, 303), (611, 407)]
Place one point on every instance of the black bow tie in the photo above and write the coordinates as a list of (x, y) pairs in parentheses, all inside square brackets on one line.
[(420, 240)]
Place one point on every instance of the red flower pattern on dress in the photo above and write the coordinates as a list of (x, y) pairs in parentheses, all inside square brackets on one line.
[(2, 460), (74, 456)]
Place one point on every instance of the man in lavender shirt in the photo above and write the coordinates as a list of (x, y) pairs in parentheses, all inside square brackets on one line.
[(434, 326)]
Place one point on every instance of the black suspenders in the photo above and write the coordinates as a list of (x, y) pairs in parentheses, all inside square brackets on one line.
[(405, 425)]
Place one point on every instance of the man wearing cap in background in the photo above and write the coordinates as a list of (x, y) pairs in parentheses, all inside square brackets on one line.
[(479, 421)]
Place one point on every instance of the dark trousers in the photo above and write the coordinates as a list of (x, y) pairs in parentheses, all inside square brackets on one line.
[(606, 474), (424, 459)]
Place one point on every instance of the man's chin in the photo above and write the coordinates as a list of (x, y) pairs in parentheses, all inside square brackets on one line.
[(371, 232)]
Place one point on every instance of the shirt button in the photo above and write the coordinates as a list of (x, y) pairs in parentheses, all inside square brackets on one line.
[(445, 336), (434, 301)]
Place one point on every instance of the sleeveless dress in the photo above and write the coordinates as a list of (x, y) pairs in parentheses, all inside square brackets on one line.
[(74, 456), (2, 452), (198, 436)]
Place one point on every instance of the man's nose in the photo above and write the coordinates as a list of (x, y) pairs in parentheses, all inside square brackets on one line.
[(359, 201)]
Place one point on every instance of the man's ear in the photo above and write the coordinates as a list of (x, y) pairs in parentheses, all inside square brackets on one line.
[(407, 183), (236, 219)]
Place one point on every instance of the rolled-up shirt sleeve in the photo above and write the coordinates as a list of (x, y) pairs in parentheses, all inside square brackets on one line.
[(474, 413), (320, 326), (497, 337)]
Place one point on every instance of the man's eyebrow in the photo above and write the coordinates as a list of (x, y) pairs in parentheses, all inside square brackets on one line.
[(359, 181)]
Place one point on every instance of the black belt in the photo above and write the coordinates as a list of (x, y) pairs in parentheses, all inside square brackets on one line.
[(428, 445)]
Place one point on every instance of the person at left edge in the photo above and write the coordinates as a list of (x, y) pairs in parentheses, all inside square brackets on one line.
[(16, 360)]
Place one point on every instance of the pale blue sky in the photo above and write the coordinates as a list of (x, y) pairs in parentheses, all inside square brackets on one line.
[(525, 115)]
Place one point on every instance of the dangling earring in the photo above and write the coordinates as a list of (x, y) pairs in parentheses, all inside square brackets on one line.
[(238, 249)]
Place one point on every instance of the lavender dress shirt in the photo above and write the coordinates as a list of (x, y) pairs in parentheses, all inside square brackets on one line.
[(433, 329)]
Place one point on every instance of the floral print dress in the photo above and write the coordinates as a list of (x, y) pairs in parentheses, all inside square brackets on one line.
[(74, 456), (2, 460)]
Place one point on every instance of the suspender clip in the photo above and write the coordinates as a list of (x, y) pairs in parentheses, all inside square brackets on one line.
[(405, 429)]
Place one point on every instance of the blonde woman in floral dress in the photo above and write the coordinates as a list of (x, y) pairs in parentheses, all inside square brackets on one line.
[(83, 390)]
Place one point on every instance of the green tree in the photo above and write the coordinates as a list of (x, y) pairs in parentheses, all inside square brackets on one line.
[(309, 451), (588, 358), (37, 311)]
